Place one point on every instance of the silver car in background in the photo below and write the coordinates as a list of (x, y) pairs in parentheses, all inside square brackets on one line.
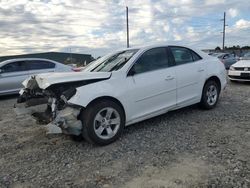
[(246, 56), (227, 59), (14, 71)]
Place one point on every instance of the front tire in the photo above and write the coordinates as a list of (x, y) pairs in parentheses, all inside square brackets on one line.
[(103, 122), (210, 95)]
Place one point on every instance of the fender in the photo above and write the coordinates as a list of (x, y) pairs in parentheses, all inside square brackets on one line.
[(87, 93)]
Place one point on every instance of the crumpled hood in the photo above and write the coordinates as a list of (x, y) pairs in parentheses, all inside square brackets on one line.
[(47, 79), (242, 63)]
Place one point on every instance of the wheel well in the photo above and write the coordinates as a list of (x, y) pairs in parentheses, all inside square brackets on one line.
[(110, 99), (216, 79)]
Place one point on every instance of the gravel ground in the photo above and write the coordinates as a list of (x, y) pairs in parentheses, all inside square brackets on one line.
[(185, 148)]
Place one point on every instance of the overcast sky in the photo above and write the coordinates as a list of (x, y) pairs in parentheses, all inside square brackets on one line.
[(99, 26)]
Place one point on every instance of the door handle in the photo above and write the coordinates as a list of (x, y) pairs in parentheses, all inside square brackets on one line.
[(169, 78), (200, 70)]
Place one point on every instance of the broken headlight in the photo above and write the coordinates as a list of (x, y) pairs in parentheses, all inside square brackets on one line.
[(65, 96)]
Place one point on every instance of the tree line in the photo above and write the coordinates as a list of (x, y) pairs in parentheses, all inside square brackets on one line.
[(234, 48)]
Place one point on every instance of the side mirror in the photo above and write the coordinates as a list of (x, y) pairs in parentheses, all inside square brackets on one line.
[(132, 72)]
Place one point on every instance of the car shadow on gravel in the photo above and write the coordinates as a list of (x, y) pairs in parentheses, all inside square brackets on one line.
[(171, 115), (151, 122), (239, 83), (8, 97)]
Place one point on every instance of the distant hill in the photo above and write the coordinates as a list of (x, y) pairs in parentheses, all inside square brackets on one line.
[(65, 58)]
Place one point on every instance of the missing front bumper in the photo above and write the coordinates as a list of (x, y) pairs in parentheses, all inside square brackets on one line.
[(66, 120), (23, 109)]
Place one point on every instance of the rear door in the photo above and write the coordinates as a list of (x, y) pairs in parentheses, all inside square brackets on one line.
[(40, 66), (12, 75), (190, 75)]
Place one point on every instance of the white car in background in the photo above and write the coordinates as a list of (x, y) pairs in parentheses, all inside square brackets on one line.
[(123, 88), (240, 71), (14, 71)]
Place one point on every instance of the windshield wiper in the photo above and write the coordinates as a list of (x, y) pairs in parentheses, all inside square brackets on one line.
[(119, 64)]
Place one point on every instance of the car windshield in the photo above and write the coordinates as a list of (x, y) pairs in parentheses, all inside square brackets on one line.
[(112, 62), (247, 55), (221, 55)]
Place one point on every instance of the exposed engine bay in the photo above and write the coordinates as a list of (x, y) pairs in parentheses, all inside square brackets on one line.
[(50, 105)]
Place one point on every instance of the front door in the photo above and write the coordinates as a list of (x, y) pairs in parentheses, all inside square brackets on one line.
[(152, 86)]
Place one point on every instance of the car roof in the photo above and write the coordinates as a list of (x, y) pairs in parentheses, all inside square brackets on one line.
[(146, 47), (223, 53), (24, 59), (149, 46), (155, 45)]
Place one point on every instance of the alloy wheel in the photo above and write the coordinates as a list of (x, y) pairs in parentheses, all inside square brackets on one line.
[(106, 123), (212, 95)]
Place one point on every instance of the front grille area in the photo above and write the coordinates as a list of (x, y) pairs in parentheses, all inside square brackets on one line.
[(239, 77), (242, 68)]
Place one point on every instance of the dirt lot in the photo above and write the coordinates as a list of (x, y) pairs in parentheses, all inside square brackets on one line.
[(185, 148)]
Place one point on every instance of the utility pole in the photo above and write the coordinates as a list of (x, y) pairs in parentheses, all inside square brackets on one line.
[(127, 27), (224, 31), (70, 55)]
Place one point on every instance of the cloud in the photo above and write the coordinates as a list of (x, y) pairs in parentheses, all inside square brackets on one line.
[(99, 26), (242, 24), (214, 2), (233, 12)]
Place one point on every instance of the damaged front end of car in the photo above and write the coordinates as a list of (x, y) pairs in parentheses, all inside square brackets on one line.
[(50, 106)]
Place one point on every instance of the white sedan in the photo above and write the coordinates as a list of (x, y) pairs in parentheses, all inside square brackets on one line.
[(123, 88), (240, 71)]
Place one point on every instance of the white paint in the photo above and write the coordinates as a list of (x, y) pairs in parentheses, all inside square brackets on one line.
[(147, 94)]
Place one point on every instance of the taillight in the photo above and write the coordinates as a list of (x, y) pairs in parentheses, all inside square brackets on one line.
[(75, 69)]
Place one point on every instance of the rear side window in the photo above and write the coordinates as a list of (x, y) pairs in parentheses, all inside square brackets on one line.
[(196, 57), (184, 55), (153, 59), (14, 67), (39, 64), (181, 55)]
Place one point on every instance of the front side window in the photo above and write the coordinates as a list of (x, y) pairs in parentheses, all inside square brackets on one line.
[(39, 64), (181, 55), (14, 67), (153, 59), (114, 62)]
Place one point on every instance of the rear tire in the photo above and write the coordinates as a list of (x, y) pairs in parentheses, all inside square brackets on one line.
[(103, 122), (210, 95)]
